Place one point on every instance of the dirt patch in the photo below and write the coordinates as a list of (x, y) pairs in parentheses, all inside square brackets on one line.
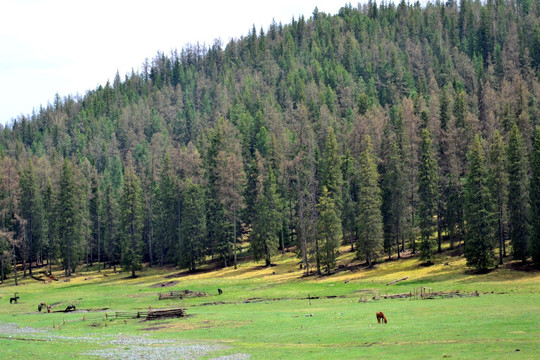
[(188, 273), (215, 303), (153, 328), (164, 284)]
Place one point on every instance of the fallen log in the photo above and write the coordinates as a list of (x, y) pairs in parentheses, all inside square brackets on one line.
[(398, 280), (158, 314)]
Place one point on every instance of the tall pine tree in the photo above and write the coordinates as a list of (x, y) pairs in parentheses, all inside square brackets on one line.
[(370, 224), (193, 226), (427, 194), (535, 199), (131, 225), (328, 230), (480, 217), (166, 211), (69, 218), (31, 207), (499, 186), (331, 175), (518, 197), (267, 220)]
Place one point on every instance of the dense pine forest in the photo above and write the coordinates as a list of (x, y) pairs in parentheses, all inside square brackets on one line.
[(385, 128)]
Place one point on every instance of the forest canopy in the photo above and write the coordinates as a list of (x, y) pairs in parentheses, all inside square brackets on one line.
[(384, 127)]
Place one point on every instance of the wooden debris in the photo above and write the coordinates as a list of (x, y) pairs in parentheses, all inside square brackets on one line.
[(180, 294), (158, 314), (396, 296), (398, 280)]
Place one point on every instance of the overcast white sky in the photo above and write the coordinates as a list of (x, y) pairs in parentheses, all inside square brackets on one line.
[(69, 47)]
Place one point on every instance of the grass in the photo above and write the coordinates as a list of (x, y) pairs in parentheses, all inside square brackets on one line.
[(268, 313)]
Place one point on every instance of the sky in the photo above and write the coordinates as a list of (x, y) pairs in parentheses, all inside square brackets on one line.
[(72, 46)]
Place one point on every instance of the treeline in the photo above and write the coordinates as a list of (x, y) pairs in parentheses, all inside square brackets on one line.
[(384, 127)]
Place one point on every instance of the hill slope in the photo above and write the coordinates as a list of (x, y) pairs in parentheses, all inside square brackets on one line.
[(208, 146)]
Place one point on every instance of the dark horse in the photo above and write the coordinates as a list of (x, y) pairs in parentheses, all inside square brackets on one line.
[(381, 317), (70, 308), (15, 298)]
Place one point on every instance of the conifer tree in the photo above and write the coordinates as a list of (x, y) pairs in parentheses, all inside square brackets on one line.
[(31, 207), (226, 179), (69, 218), (267, 220), (427, 194), (395, 197), (480, 217), (111, 241), (348, 215), (229, 184), (193, 226), (50, 222), (535, 199), (328, 230), (94, 204), (166, 211), (499, 186), (370, 226), (331, 174), (518, 197), (131, 225)]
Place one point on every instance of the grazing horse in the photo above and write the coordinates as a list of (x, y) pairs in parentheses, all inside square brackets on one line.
[(220, 291), (70, 308), (381, 317), (41, 306), (15, 298)]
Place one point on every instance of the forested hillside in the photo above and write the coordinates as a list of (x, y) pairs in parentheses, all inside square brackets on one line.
[(384, 127)]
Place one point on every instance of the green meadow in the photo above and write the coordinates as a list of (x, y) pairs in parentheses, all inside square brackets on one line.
[(276, 313)]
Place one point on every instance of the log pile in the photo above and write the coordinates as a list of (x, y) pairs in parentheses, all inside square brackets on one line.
[(169, 313), (396, 296), (179, 294)]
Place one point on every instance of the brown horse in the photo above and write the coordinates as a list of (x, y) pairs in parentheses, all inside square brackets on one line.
[(380, 316)]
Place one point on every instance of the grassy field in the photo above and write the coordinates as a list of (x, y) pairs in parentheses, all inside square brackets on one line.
[(275, 313)]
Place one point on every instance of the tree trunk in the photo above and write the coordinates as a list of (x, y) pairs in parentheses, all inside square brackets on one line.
[(397, 242), (49, 261), (15, 266), (317, 256), (282, 240), (132, 237), (501, 238), (234, 226), (99, 244), (303, 235), (439, 234), (31, 238), (68, 268), (150, 236)]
